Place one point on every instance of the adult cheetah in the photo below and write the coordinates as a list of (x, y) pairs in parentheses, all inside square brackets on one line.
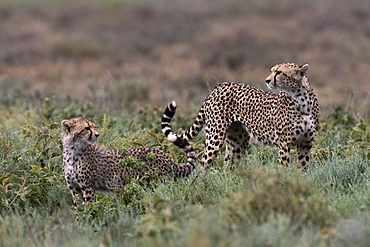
[(235, 112), (88, 167)]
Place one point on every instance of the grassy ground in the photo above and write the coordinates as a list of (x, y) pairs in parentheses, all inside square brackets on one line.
[(120, 62), (258, 204)]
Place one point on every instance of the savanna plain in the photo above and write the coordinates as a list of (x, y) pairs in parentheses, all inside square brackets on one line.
[(119, 63)]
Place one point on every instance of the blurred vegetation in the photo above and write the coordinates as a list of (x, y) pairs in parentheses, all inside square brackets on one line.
[(119, 63), (130, 54)]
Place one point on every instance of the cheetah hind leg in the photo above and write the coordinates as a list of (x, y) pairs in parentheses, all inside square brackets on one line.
[(237, 139)]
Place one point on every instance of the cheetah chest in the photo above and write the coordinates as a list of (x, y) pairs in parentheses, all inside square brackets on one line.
[(304, 129), (303, 119), (75, 167), (307, 124)]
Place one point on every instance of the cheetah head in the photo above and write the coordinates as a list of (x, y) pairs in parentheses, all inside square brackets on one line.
[(286, 76), (79, 130)]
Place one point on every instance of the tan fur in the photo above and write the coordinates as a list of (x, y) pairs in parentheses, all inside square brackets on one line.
[(88, 167), (235, 112)]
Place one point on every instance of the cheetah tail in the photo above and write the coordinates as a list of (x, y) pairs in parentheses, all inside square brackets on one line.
[(168, 114)]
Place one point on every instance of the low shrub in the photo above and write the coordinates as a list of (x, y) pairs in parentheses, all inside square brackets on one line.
[(275, 193)]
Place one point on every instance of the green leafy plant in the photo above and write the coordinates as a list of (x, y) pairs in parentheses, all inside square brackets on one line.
[(159, 224), (46, 145)]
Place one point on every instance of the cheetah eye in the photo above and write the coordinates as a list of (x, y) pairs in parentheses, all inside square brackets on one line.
[(278, 72), (87, 128)]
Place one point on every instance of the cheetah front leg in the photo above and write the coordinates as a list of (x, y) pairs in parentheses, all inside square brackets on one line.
[(88, 195), (304, 151), (237, 139), (75, 192), (284, 155)]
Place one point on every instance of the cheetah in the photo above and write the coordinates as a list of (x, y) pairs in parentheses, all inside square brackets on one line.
[(235, 112), (87, 166)]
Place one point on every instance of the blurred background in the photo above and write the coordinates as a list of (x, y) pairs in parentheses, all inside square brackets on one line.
[(128, 55)]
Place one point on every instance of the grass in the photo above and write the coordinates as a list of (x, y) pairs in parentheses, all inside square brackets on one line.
[(120, 63), (259, 203)]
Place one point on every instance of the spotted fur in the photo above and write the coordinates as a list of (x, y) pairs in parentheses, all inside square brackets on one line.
[(88, 167), (234, 113)]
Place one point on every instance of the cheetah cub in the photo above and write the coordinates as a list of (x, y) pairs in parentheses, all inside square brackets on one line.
[(88, 167), (235, 112)]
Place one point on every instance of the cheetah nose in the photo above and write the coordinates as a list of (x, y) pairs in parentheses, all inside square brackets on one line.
[(97, 135), (268, 80)]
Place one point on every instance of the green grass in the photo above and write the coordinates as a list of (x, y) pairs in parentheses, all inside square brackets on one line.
[(257, 204), (119, 63)]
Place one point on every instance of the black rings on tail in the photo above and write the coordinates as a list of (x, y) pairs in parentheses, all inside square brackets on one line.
[(168, 114)]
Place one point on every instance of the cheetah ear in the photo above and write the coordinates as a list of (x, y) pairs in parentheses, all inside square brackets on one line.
[(303, 68), (66, 125)]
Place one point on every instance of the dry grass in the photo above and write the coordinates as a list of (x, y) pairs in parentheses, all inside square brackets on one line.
[(175, 50)]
